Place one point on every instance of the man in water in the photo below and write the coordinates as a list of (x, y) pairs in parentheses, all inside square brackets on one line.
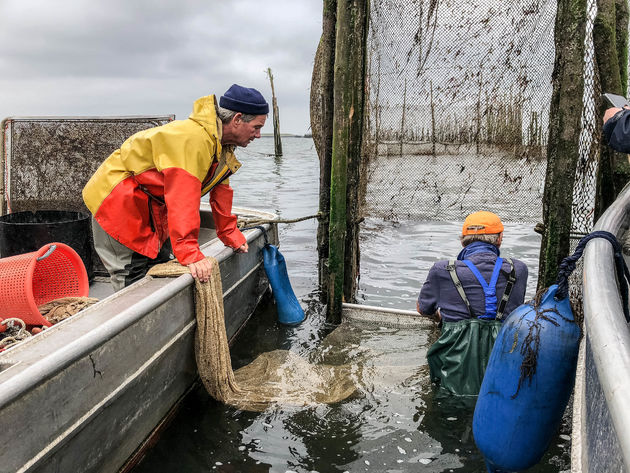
[(145, 196), (470, 297)]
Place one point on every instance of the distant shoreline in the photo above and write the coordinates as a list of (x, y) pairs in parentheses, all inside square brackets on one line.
[(285, 135)]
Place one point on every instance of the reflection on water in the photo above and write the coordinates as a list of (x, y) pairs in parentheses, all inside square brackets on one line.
[(396, 257), (394, 423)]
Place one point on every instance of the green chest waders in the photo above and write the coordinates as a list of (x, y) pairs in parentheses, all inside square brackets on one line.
[(458, 359)]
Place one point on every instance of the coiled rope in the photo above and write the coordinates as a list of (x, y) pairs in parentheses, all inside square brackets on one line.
[(15, 332), (568, 266)]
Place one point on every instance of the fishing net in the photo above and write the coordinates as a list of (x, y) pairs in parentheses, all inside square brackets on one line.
[(277, 377), (458, 99), (54, 311), (60, 309), (367, 315), (384, 357)]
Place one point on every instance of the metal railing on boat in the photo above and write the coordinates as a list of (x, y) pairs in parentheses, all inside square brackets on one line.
[(41, 370), (605, 325)]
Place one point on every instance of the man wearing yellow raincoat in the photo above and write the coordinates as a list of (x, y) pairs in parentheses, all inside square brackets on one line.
[(145, 196)]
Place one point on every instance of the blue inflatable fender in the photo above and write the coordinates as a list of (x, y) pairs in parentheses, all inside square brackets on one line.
[(289, 310), (527, 384)]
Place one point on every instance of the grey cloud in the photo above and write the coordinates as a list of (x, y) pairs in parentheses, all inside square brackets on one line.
[(96, 57)]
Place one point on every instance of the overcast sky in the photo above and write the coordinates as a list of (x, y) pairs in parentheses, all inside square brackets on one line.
[(142, 57)]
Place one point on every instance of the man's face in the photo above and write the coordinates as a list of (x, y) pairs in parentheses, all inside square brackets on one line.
[(246, 132)]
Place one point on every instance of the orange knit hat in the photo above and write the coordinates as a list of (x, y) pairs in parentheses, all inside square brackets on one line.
[(482, 223)]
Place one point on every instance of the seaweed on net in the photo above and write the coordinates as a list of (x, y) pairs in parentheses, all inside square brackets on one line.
[(531, 343)]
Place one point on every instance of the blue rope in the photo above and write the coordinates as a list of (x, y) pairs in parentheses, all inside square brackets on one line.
[(568, 265), (261, 228)]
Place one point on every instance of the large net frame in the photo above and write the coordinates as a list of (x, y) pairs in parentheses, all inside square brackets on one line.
[(457, 113), (458, 110)]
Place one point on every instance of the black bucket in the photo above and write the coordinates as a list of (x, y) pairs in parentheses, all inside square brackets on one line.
[(24, 232)]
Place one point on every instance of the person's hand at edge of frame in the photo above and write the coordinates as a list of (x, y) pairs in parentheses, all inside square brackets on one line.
[(242, 249), (436, 317), (611, 112), (201, 270)]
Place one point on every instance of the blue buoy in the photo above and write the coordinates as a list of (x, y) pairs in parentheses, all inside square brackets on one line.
[(527, 384), (289, 310)]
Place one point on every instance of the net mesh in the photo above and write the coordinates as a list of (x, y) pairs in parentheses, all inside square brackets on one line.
[(275, 377), (458, 110), (458, 100)]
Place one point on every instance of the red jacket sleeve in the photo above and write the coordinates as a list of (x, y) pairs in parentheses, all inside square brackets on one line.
[(182, 194), (225, 222)]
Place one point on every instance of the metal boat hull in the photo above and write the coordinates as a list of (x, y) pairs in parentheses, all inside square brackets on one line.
[(85, 394)]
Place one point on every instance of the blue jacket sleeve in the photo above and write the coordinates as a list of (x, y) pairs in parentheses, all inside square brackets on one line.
[(430, 293), (616, 132)]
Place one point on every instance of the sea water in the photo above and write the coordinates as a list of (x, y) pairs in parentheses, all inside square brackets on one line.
[(395, 423)]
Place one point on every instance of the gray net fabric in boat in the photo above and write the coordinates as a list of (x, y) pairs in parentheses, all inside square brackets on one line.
[(277, 377)]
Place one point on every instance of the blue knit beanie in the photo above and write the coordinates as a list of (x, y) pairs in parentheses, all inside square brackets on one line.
[(244, 100)]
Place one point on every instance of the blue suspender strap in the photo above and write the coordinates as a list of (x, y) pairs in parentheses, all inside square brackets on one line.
[(489, 289)]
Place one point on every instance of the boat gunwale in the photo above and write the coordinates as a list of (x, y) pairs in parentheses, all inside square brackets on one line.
[(605, 323), (30, 375)]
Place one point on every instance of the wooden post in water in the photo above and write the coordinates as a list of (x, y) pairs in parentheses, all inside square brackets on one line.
[(610, 41), (433, 137), (276, 117), (478, 133), (564, 133), (321, 109), (348, 92), (402, 119), (377, 109)]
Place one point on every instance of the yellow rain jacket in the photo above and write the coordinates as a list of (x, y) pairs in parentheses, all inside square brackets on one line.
[(150, 188)]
